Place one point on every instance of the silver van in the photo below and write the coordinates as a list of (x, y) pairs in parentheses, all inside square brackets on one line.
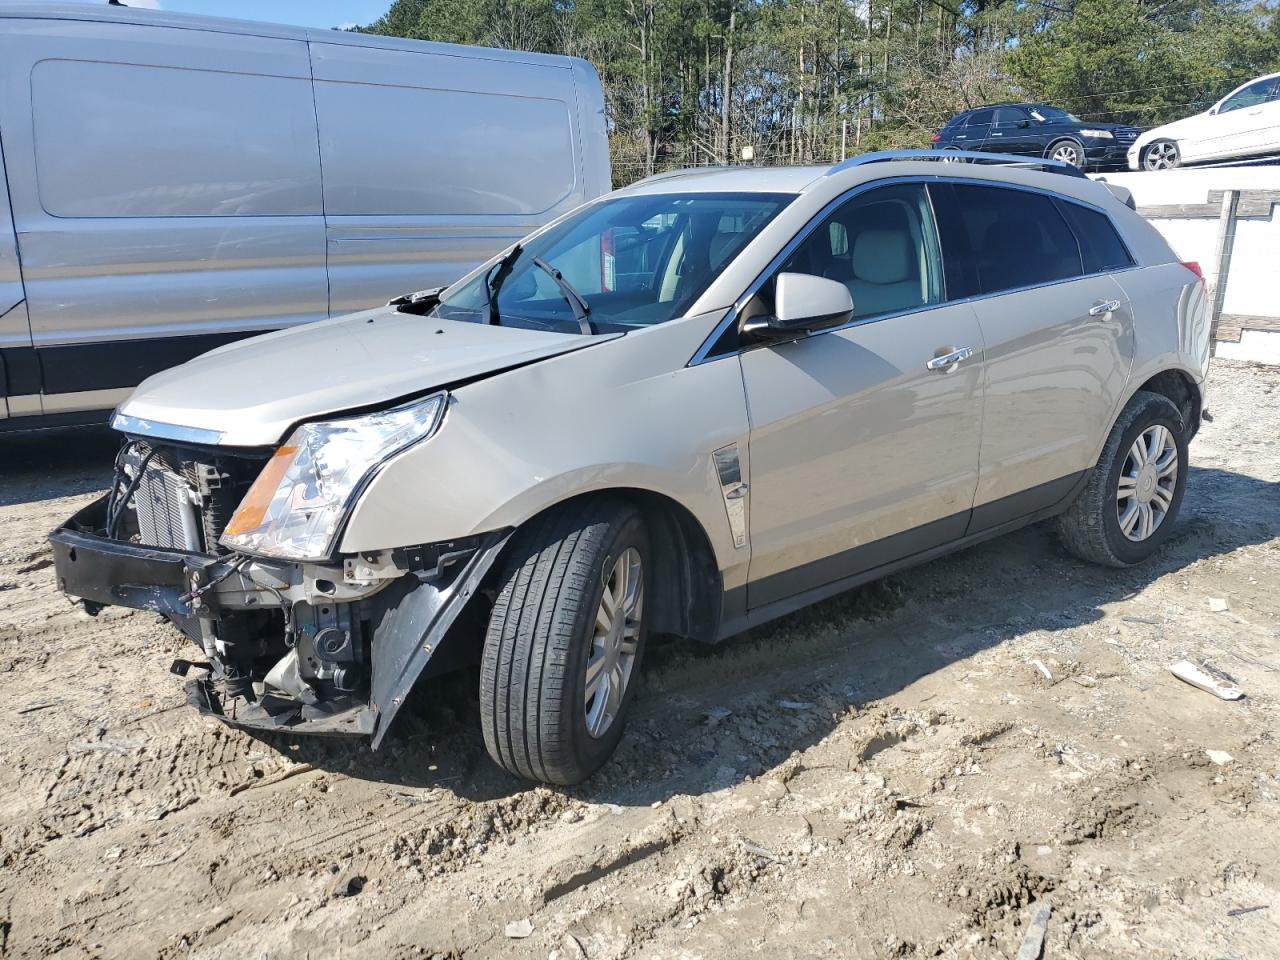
[(179, 182)]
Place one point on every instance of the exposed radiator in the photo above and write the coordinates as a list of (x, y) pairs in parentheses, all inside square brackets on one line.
[(165, 509)]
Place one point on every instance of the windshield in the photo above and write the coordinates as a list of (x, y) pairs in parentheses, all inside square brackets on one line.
[(1041, 112), (635, 261)]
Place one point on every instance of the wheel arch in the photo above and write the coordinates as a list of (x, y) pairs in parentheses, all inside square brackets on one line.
[(1181, 388), (1064, 138), (685, 576)]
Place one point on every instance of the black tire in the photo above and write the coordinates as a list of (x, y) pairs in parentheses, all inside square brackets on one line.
[(1168, 151), (533, 670), (1076, 159), (1090, 527)]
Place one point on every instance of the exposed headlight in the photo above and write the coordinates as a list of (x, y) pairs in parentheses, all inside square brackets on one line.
[(294, 508), (1100, 134)]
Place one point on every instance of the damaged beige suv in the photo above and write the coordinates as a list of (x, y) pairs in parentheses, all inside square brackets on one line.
[(686, 408)]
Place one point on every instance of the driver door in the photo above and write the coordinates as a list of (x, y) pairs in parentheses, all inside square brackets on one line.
[(861, 454)]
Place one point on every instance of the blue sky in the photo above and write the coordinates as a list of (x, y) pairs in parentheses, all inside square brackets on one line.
[(306, 13)]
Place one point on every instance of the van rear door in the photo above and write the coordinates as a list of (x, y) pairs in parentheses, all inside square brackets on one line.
[(165, 186), (435, 157), (18, 374)]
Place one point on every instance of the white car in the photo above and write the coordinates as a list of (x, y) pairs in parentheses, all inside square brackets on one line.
[(1244, 123)]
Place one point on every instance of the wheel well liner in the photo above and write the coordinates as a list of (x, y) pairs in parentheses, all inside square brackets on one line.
[(1182, 390)]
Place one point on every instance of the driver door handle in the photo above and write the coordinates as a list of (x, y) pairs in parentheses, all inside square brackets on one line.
[(1103, 308), (949, 360)]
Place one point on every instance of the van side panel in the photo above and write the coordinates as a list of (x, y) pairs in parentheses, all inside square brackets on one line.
[(434, 160), (166, 195), (19, 382)]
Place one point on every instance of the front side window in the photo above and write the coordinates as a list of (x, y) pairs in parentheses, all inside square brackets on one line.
[(997, 238), (1255, 93), (635, 261), (882, 246), (1009, 117)]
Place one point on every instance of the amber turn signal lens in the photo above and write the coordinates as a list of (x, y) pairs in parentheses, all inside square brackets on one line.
[(253, 508)]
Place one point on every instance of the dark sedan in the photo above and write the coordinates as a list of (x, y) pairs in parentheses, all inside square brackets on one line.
[(1038, 130)]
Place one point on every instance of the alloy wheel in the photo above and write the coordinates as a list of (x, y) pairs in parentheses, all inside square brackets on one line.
[(1161, 156), (615, 642), (1067, 153), (1148, 478)]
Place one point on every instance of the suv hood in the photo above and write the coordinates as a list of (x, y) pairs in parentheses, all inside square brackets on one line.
[(249, 393)]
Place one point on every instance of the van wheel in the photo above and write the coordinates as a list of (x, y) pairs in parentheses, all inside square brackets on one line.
[(565, 640), (1067, 151), (1161, 155), (1128, 507)]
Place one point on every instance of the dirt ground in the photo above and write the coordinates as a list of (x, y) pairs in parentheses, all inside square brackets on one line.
[(888, 774)]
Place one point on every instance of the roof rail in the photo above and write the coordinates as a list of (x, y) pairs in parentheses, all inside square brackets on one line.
[(957, 156)]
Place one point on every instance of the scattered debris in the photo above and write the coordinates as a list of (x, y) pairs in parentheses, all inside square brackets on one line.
[(1085, 680), (1218, 605), (1039, 665), (759, 851), (717, 714), (1033, 942), (573, 946), (1220, 757), (1241, 911), (345, 883), (1130, 618), (795, 705), (39, 706), (519, 929), (296, 770), (1207, 679)]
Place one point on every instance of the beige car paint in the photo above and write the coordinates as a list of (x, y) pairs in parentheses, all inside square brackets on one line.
[(635, 413)]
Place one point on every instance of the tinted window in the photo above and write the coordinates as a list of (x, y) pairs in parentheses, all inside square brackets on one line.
[(1252, 95), (1009, 116), (882, 246), (995, 238), (636, 260), (979, 116), (112, 142), (1100, 246)]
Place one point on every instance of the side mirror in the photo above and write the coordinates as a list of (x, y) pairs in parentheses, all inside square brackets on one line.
[(1023, 124), (1213, 111), (803, 303)]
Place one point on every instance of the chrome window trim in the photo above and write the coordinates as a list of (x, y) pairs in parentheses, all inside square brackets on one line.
[(138, 427), (702, 354)]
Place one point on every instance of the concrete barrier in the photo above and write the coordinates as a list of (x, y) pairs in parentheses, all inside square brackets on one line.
[(1225, 219)]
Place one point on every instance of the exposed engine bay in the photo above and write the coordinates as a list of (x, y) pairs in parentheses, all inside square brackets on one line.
[(327, 647)]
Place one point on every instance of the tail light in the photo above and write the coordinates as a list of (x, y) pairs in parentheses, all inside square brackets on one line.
[(936, 137), (1194, 268)]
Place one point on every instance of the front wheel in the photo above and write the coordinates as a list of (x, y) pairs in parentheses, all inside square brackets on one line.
[(1128, 506), (565, 640), (1161, 155), (1067, 151)]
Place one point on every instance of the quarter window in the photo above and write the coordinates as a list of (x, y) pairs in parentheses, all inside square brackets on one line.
[(994, 239), (1100, 246), (882, 246)]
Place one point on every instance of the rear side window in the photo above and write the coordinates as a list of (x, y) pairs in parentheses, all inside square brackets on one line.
[(979, 117), (1100, 246), (997, 238)]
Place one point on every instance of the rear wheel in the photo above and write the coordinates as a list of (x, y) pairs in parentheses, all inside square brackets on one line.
[(1161, 155), (1127, 509), (565, 641), (1067, 151)]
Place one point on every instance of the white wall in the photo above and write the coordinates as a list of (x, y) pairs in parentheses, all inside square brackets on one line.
[(1253, 286)]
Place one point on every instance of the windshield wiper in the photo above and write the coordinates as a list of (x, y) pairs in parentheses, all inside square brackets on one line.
[(494, 278), (577, 303)]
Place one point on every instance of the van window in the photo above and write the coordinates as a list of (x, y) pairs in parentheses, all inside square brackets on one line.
[(881, 245), (996, 238), (1100, 245), (120, 140), (407, 150)]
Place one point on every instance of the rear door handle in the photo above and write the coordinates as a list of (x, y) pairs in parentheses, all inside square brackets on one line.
[(1104, 307), (949, 360)]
